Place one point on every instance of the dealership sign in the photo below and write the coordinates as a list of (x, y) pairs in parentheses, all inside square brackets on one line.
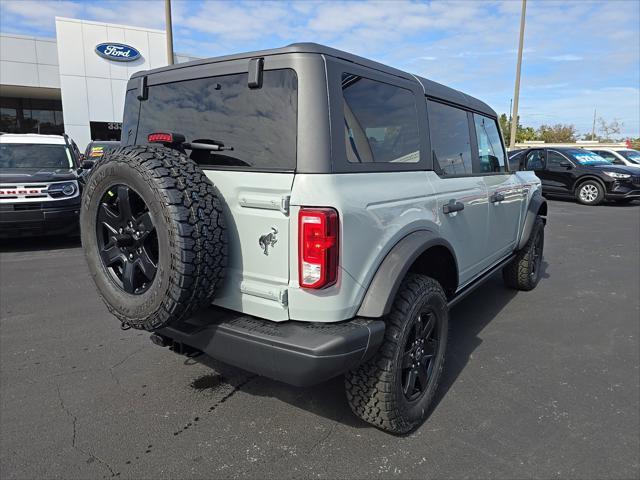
[(118, 52)]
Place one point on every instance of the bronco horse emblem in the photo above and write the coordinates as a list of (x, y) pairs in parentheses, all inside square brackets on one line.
[(268, 240)]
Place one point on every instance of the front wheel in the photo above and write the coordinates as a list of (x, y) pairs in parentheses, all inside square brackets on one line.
[(523, 272), (590, 193), (394, 390)]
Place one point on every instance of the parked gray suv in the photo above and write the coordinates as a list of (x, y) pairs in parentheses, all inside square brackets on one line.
[(304, 213)]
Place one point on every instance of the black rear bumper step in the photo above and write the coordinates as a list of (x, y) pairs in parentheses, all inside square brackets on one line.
[(298, 353)]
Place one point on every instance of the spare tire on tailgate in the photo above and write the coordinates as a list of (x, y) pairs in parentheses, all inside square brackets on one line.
[(153, 235)]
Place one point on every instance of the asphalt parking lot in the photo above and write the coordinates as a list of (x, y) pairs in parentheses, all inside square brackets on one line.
[(543, 384)]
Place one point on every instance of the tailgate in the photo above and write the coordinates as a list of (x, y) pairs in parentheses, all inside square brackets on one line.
[(256, 212)]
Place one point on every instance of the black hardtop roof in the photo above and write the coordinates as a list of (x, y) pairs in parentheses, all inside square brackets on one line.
[(430, 87)]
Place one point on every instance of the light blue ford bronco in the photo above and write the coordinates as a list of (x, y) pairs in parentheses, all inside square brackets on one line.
[(304, 213)]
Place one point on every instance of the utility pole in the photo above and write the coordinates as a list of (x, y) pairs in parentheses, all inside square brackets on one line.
[(514, 122), (167, 16), (593, 130)]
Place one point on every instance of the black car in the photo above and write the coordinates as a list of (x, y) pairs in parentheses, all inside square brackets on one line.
[(578, 173), (40, 181)]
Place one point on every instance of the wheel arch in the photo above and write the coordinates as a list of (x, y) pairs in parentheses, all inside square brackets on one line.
[(422, 252), (537, 207), (586, 178)]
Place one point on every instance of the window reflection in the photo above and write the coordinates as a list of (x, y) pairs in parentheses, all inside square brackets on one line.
[(260, 124)]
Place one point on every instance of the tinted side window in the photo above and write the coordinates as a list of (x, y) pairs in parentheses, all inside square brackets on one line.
[(130, 118), (259, 124), (450, 139), (609, 156), (490, 148), (380, 122), (554, 159), (535, 160)]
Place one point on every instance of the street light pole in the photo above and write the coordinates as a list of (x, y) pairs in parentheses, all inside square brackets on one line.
[(514, 121), (167, 16)]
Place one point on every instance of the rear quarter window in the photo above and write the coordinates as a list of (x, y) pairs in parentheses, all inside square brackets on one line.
[(450, 139), (380, 122), (259, 124)]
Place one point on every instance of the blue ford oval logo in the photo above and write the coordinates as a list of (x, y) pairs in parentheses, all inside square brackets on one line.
[(118, 52)]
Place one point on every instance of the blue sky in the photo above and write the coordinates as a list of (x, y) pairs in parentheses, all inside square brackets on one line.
[(579, 55)]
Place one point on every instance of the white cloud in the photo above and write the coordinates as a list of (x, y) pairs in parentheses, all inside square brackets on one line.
[(32, 14), (565, 58)]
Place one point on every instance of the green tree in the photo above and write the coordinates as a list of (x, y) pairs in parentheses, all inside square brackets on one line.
[(591, 137), (523, 134), (558, 133)]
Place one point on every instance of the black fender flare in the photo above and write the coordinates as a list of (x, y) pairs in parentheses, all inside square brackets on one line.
[(386, 281), (536, 205)]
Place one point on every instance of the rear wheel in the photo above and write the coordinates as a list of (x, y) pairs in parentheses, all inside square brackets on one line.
[(153, 235), (590, 193), (394, 389)]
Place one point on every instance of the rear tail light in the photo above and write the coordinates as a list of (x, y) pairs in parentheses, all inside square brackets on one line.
[(317, 247)]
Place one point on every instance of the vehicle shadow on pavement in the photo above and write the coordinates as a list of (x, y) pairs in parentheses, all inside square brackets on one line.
[(328, 399), (25, 244), (605, 203)]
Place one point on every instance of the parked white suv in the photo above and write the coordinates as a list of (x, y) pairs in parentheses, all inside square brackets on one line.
[(326, 210), (626, 157)]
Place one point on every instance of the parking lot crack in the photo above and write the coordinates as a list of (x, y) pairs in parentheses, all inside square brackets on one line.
[(74, 423), (126, 358), (325, 437)]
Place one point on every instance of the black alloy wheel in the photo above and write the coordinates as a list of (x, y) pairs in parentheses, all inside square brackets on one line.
[(127, 239), (419, 355), (536, 255)]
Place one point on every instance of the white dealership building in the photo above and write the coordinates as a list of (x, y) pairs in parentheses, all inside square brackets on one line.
[(74, 83)]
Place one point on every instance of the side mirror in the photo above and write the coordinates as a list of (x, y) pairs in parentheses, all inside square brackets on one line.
[(566, 164), (87, 164)]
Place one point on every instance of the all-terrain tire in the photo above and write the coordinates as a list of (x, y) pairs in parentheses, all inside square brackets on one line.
[(590, 192), (188, 222), (375, 389), (523, 272)]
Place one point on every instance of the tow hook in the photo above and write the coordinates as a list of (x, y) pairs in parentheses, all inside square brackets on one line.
[(159, 340), (178, 347)]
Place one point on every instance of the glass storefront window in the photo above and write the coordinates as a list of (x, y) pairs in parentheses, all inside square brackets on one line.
[(31, 115)]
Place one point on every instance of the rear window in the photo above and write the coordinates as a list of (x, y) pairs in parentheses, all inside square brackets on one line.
[(259, 124), (24, 155)]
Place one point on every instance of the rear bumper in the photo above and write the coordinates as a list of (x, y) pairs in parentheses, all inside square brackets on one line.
[(38, 221), (298, 353)]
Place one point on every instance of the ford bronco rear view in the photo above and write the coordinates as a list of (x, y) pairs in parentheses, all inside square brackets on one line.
[(304, 213)]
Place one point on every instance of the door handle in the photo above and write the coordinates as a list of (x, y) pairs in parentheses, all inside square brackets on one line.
[(452, 207), (496, 197)]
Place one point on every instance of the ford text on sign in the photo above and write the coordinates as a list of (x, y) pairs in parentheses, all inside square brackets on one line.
[(118, 52)]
